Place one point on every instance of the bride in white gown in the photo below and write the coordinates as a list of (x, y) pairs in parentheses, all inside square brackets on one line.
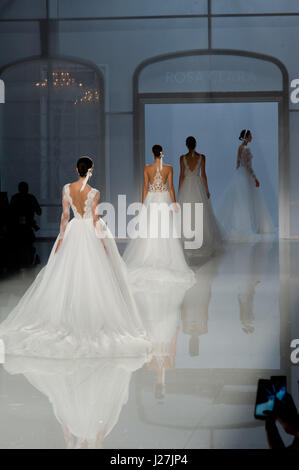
[(80, 304), (156, 255), (243, 212), (193, 188)]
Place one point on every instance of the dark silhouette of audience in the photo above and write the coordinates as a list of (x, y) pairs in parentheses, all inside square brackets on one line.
[(4, 232), (17, 229)]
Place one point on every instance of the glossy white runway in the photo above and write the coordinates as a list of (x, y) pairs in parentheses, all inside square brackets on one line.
[(211, 344)]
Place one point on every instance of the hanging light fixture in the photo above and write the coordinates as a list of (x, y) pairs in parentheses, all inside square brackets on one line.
[(59, 79), (89, 97)]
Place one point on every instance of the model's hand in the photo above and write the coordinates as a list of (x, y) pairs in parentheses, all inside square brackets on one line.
[(58, 245), (175, 207), (287, 416), (257, 183)]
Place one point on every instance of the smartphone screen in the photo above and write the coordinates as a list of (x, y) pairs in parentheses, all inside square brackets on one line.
[(265, 398), (280, 385)]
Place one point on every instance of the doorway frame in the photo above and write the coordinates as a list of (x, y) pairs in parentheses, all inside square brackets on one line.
[(279, 96)]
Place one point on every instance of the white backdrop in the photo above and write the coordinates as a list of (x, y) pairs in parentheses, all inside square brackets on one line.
[(216, 127)]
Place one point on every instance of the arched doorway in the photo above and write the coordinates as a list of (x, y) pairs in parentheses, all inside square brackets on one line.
[(54, 113), (216, 76)]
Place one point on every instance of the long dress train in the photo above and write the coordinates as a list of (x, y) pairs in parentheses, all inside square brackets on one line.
[(80, 304)]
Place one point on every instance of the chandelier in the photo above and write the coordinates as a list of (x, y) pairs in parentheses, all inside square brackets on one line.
[(59, 80), (90, 96), (62, 80)]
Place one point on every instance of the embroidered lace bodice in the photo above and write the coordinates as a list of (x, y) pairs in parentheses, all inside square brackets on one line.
[(158, 185), (89, 211), (196, 172), (245, 160)]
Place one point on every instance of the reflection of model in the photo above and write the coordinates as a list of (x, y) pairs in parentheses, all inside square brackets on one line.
[(87, 395), (160, 309), (243, 212), (256, 258), (195, 309), (245, 299), (80, 304), (157, 254), (193, 188)]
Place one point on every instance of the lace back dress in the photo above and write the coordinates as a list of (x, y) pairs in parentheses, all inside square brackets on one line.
[(157, 254), (80, 304)]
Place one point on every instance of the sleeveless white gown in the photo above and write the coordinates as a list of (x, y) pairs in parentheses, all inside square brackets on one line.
[(243, 212), (194, 191), (80, 304), (156, 257)]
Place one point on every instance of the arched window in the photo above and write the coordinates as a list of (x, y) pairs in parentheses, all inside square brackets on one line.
[(53, 114)]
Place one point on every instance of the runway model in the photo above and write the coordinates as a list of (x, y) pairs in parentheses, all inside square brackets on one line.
[(80, 304), (157, 253), (193, 188), (243, 212)]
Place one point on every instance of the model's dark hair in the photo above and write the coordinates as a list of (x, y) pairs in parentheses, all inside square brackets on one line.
[(157, 149), (191, 142), (83, 165), (243, 135)]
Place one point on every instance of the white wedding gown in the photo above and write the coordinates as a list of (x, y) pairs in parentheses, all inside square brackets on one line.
[(80, 304), (243, 212), (155, 257), (193, 191)]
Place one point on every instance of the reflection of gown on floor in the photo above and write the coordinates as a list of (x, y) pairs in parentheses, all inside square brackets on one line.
[(155, 257), (159, 306), (80, 304), (195, 308), (243, 212), (193, 191), (87, 395)]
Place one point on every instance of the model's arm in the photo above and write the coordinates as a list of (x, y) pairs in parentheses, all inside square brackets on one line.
[(170, 184), (182, 171), (65, 217), (145, 184), (96, 217), (204, 175)]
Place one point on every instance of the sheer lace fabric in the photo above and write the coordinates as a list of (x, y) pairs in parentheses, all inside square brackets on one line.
[(158, 185), (245, 160)]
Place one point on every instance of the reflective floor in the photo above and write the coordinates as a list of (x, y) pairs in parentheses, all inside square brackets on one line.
[(211, 345)]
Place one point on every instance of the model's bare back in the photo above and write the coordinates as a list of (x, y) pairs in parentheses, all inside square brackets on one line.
[(192, 160), (79, 197)]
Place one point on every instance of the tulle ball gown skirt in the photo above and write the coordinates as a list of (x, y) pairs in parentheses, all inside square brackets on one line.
[(157, 254), (243, 212), (193, 191), (79, 305)]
